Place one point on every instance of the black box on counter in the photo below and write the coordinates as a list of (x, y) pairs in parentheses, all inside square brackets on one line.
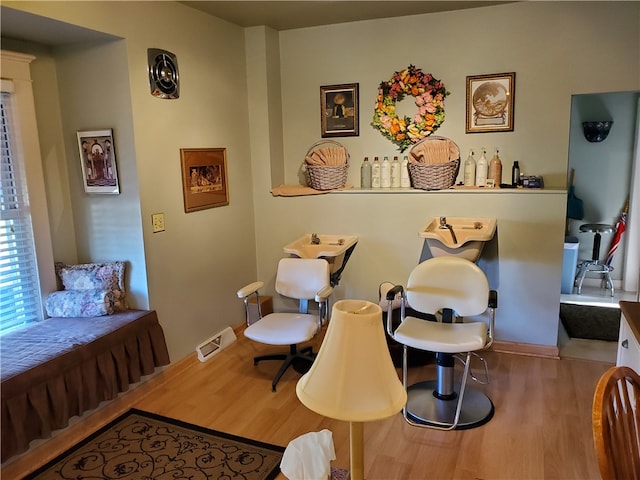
[(532, 182)]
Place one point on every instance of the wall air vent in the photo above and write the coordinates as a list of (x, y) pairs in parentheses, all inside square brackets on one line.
[(215, 344), (163, 73)]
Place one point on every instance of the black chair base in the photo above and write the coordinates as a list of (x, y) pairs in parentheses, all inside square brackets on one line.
[(301, 361), (425, 409)]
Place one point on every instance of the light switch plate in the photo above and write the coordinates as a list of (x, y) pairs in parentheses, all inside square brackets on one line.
[(157, 220)]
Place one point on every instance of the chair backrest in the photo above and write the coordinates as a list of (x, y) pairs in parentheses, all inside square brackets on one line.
[(448, 282), (616, 423), (301, 278)]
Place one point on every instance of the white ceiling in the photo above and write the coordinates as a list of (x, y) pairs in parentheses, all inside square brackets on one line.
[(287, 15)]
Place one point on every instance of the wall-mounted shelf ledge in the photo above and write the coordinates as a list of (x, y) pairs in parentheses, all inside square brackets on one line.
[(456, 190)]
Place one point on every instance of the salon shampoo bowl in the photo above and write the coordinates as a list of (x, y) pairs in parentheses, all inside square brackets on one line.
[(465, 238)]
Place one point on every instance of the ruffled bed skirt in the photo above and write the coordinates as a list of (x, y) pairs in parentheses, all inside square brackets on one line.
[(61, 367)]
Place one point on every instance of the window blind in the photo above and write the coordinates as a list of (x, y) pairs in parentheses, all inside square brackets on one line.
[(20, 300)]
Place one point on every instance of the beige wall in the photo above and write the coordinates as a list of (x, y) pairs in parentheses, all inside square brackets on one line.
[(107, 227), (556, 49), (195, 267), (54, 158), (552, 47)]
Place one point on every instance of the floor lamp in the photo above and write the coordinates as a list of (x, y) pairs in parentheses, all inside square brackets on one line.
[(353, 377)]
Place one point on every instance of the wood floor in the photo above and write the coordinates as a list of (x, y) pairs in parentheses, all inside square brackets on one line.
[(541, 428)]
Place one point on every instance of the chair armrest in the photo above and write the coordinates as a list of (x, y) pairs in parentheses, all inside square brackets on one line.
[(391, 294), (324, 294), (322, 298), (493, 299), (493, 304), (249, 289)]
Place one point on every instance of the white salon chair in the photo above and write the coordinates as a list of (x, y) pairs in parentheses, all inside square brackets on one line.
[(303, 280), (449, 288)]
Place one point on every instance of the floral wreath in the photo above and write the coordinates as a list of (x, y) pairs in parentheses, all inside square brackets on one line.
[(429, 96)]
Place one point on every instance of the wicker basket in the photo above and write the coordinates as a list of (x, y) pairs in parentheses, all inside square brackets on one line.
[(434, 173), (326, 177)]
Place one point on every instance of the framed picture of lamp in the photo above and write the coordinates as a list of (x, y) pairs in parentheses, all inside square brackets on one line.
[(98, 161), (339, 114), (490, 102), (204, 178)]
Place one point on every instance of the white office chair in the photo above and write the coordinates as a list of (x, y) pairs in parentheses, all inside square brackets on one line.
[(449, 287), (304, 280)]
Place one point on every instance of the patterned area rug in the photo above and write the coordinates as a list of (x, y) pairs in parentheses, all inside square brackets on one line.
[(141, 445)]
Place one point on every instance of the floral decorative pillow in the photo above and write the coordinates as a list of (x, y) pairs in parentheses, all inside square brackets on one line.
[(97, 276), (80, 303)]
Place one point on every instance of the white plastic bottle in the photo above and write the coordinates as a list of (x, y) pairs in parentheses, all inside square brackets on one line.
[(365, 174), (482, 168), (470, 170), (385, 173), (375, 173), (395, 173), (405, 180)]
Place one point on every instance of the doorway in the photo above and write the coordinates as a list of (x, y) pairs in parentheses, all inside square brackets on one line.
[(605, 174), (606, 178)]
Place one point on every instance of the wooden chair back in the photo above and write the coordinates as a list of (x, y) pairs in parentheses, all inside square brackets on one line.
[(616, 423)]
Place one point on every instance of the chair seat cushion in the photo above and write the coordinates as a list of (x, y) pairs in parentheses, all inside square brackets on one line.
[(283, 328), (441, 337)]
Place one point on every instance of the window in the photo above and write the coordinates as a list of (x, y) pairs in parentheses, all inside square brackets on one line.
[(20, 299)]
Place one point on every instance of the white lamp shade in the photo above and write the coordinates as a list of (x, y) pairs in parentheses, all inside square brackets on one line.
[(353, 377)]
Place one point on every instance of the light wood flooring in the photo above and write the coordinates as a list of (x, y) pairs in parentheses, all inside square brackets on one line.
[(541, 428)]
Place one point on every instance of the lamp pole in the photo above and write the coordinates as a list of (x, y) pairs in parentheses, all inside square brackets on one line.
[(356, 436)]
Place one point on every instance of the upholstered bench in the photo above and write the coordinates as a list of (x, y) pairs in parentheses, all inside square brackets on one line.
[(61, 367), (90, 349)]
